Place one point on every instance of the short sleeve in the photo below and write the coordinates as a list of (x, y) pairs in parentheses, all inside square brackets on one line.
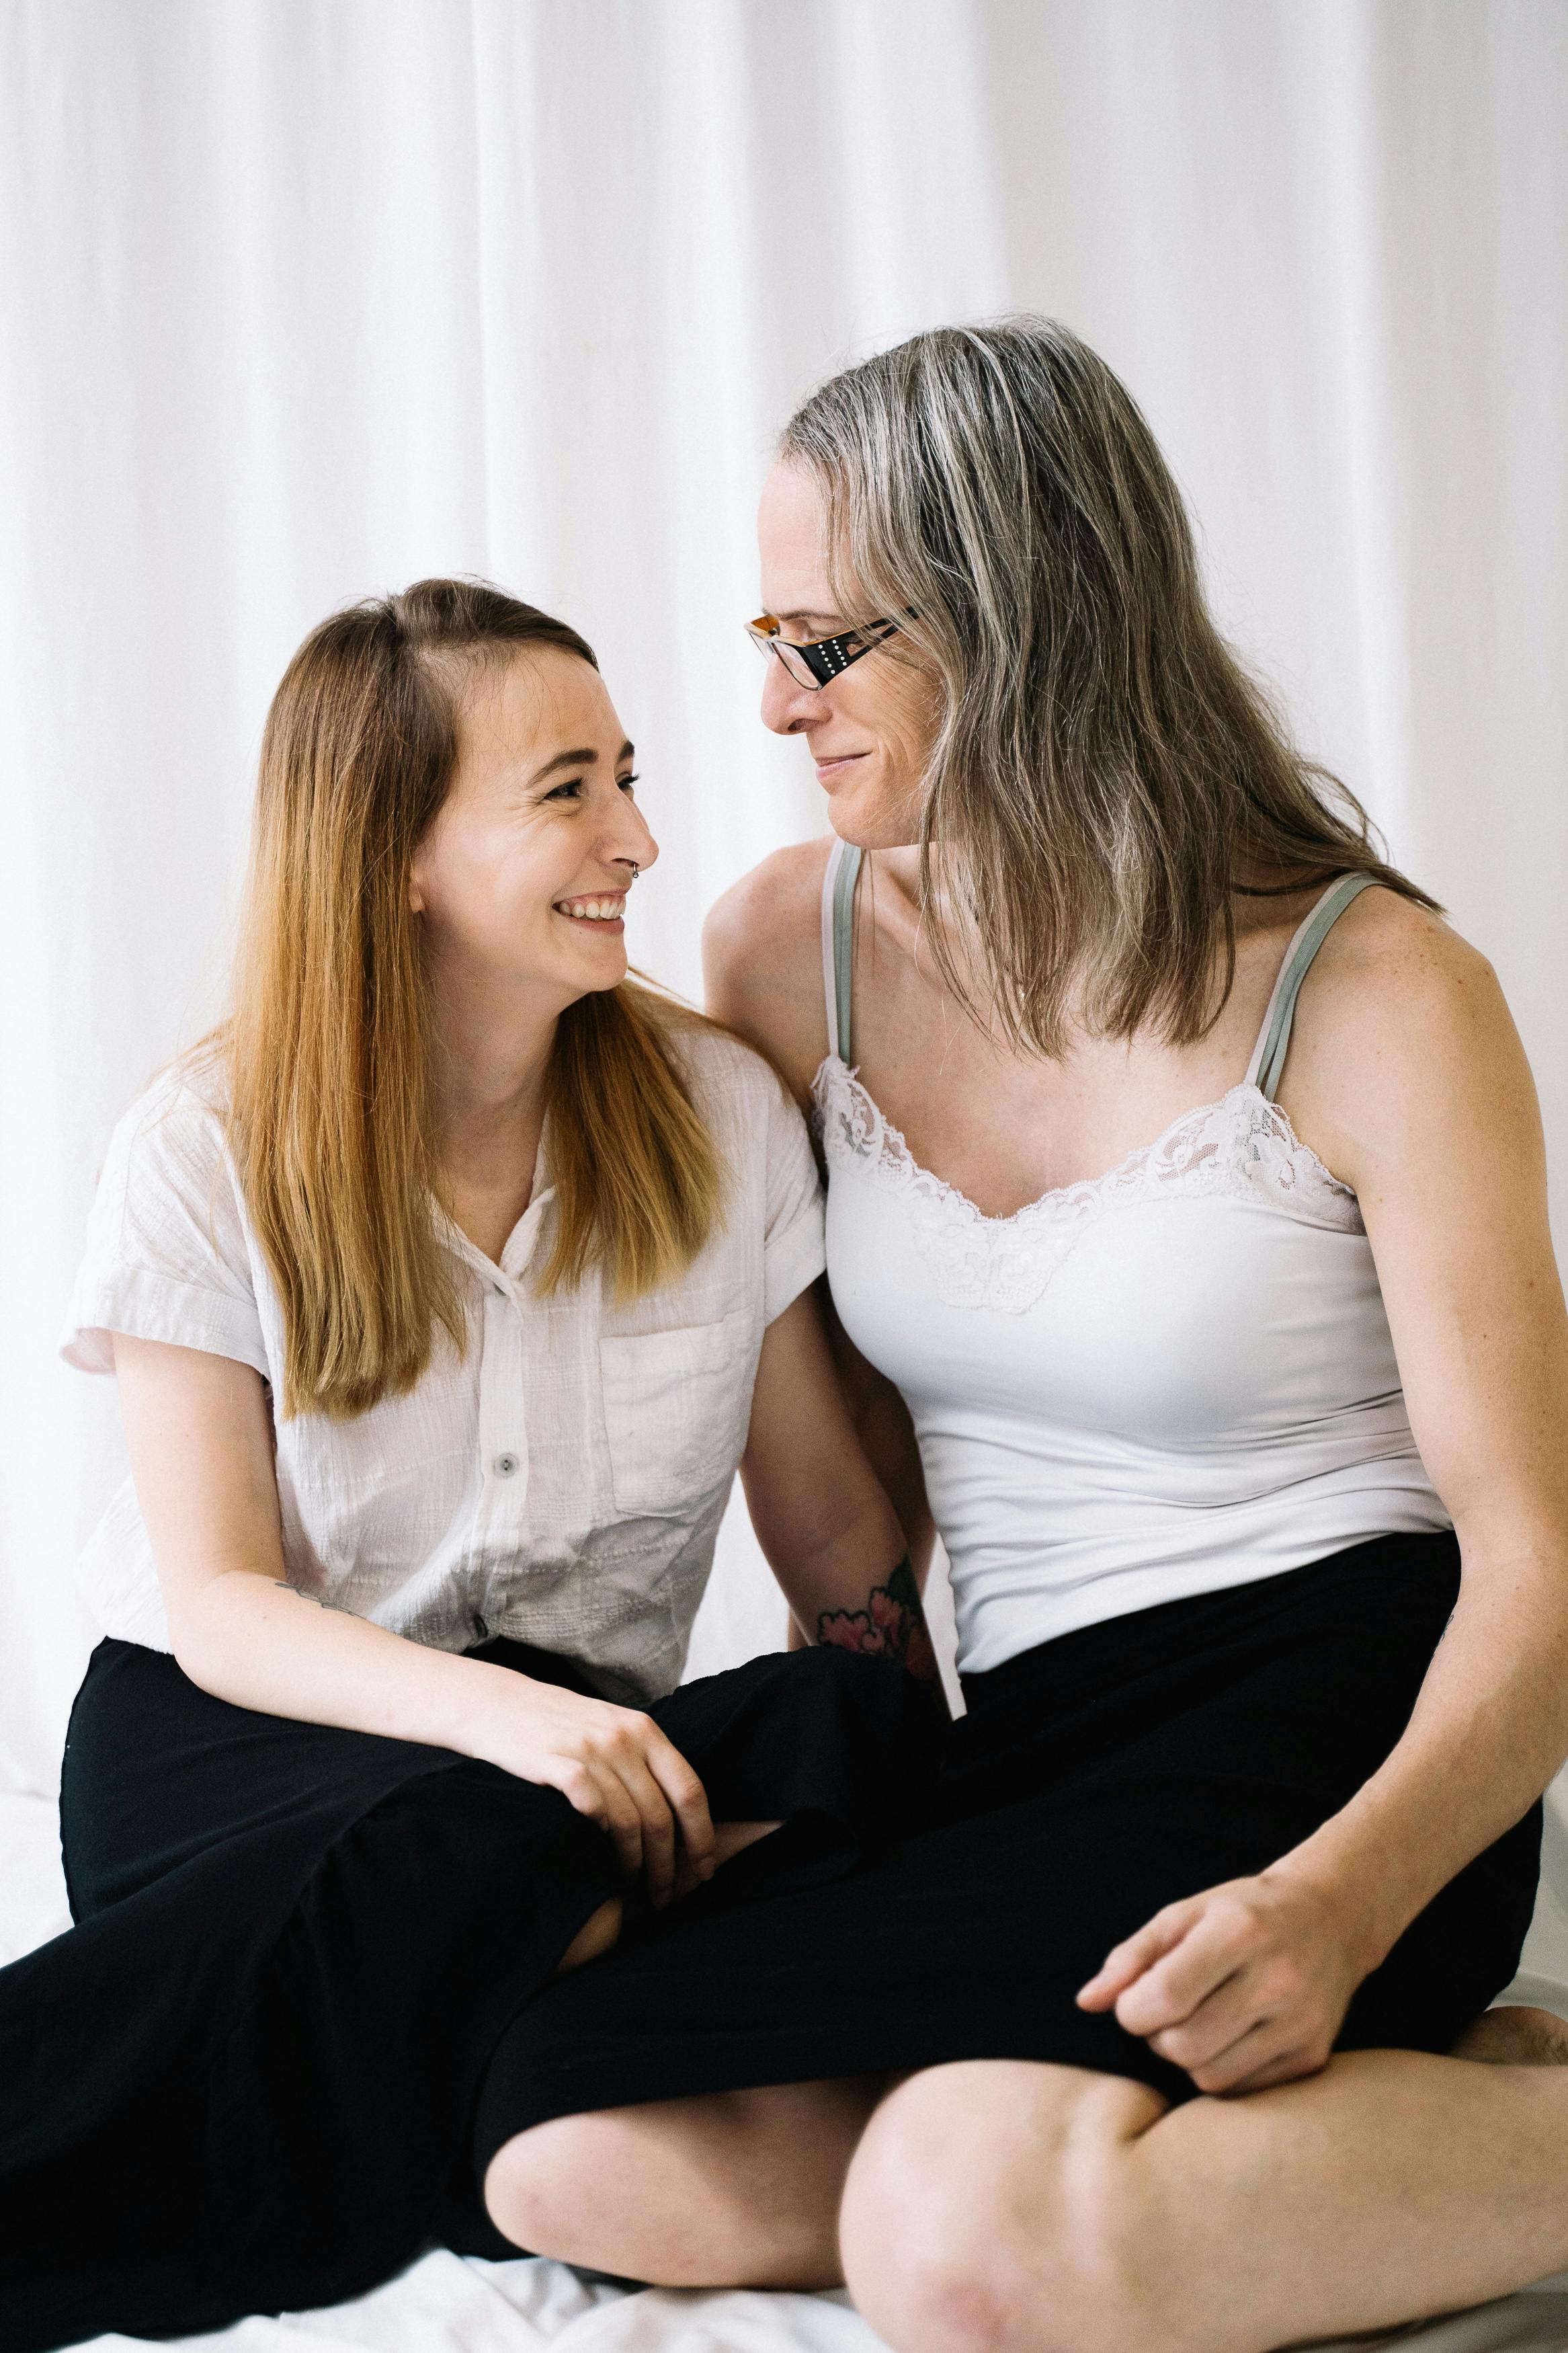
[(794, 1250), (167, 1255)]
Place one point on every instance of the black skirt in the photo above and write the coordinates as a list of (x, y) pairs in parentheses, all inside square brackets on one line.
[(246, 2080), (1094, 1780)]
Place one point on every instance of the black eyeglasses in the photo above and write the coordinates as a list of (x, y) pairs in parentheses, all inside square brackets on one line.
[(817, 663)]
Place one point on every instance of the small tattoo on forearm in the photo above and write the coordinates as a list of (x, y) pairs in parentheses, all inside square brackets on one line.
[(286, 1584), (891, 1626)]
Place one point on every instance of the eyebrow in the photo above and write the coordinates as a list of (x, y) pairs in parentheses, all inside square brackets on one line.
[(584, 756), (814, 614)]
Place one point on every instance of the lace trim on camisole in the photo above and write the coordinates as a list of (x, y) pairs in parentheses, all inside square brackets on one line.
[(1242, 1147)]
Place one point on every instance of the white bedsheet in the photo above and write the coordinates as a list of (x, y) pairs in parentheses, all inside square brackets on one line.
[(452, 2303)]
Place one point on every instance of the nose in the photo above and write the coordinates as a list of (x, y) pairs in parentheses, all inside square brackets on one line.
[(789, 708), (628, 842)]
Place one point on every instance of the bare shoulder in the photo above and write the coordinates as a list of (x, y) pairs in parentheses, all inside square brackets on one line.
[(1398, 972), (1403, 1035), (776, 907), (762, 959)]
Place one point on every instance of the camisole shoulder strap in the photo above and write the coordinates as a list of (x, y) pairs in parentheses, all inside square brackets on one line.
[(838, 945), (1267, 1062)]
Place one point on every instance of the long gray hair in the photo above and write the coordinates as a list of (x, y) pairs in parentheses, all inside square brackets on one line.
[(1105, 775)]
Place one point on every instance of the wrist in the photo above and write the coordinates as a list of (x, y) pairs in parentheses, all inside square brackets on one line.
[(1359, 1893), (479, 1699)]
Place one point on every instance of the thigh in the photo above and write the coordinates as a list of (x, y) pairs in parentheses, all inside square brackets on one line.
[(158, 1774)]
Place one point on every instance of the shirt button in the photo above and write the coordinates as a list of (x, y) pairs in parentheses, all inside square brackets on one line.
[(504, 1465)]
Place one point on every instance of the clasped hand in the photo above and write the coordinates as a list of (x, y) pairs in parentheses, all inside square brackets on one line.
[(1244, 1986), (612, 1763)]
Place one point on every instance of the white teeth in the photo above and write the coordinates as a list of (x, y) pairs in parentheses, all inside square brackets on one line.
[(592, 911)]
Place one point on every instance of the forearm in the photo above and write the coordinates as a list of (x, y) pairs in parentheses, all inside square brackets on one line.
[(264, 1644), (828, 1564), (821, 1515), (882, 1424), (1488, 1731), (853, 1587)]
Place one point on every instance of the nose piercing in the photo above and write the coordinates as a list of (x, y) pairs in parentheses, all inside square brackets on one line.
[(637, 869)]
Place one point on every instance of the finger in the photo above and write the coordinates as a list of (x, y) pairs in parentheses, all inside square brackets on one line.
[(1217, 2023), (657, 1827), (595, 1791), (1205, 1959), (625, 1821), (1125, 1963), (689, 1799), (1287, 2067)]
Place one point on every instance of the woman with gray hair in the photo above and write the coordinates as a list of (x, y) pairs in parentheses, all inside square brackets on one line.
[(1246, 1445)]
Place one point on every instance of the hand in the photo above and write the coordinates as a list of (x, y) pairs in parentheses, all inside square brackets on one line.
[(613, 1764), (1244, 1986)]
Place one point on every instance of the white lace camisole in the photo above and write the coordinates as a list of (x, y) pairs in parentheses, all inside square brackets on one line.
[(1163, 1381)]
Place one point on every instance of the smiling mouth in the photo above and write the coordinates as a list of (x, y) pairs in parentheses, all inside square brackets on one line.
[(837, 760), (608, 907)]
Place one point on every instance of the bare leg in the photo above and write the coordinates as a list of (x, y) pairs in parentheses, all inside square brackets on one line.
[(740, 2189), (596, 1935), (1004, 2207)]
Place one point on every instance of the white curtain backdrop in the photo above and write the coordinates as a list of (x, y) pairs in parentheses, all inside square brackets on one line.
[(307, 298)]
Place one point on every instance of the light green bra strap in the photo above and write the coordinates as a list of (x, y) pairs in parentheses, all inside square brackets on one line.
[(1268, 1061), (843, 884)]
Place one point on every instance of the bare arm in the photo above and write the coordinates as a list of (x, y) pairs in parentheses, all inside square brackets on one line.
[(1411, 1083), (1444, 1149), (762, 959), (886, 1432), (200, 1442), (821, 1515)]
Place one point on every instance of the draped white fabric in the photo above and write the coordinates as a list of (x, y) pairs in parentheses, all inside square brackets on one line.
[(306, 298)]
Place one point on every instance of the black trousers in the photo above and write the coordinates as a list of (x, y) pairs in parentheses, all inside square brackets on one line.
[(246, 2080)]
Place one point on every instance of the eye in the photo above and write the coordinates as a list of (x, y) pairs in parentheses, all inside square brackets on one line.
[(570, 790), (625, 783)]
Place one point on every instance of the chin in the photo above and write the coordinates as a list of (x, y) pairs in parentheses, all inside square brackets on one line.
[(608, 973), (873, 820), (591, 972)]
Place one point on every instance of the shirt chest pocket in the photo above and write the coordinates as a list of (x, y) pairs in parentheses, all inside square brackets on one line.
[(677, 1405)]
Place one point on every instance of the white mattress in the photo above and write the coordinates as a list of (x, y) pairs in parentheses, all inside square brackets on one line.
[(451, 2303)]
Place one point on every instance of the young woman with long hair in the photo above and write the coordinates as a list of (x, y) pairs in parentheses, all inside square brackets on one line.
[(445, 1287), (1246, 1444)]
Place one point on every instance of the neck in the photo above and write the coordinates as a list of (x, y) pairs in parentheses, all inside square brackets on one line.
[(488, 1067)]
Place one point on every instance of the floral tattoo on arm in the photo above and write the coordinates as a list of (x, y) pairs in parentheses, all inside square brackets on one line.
[(891, 1626)]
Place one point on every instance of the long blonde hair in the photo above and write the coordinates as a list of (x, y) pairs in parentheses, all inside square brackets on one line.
[(327, 1048), (1105, 772)]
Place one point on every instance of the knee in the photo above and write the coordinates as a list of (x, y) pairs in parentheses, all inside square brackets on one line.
[(532, 2187), (963, 2234)]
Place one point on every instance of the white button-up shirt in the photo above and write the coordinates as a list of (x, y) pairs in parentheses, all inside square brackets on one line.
[(561, 1480)]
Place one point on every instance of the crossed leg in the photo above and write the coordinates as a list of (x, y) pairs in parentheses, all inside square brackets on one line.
[(1001, 2206), (1011, 2206)]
